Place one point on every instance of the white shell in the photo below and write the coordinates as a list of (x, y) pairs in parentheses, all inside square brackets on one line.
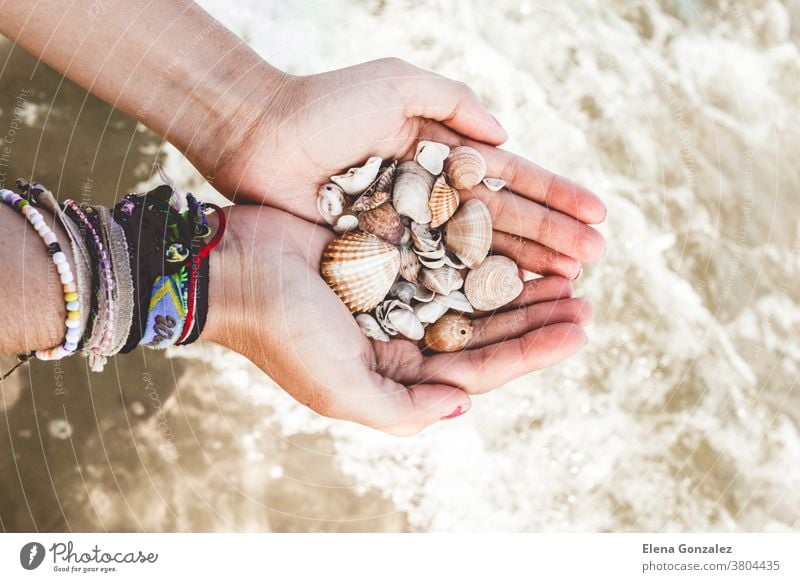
[(431, 156), (412, 188), (330, 202), (369, 325), (356, 180), (494, 283), (346, 223), (425, 239), (469, 233), (423, 294), (444, 280), (456, 301), (407, 324), (494, 184), (403, 290), (429, 312)]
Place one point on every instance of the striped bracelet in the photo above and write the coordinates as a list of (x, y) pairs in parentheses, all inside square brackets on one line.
[(71, 297)]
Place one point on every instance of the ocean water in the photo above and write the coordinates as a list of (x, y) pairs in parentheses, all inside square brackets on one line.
[(682, 412)]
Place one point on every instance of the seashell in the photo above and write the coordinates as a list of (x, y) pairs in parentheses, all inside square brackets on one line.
[(434, 254), (429, 312), (464, 167), (432, 263), (423, 294), (406, 236), (494, 184), (443, 203), (450, 333), (442, 281), (455, 300), (330, 202), (409, 264), (412, 188), (378, 192), (369, 325), (356, 180), (451, 260), (425, 239), (360, 268), (493, 284), (403, 290), (395, 317), (346, 223), (431, 156), (383, 222), (469, 233)]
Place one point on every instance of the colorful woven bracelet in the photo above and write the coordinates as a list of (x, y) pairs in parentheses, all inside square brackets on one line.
[(71, 297)]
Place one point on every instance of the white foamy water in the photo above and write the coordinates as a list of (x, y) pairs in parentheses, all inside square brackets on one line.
[(682, 412)]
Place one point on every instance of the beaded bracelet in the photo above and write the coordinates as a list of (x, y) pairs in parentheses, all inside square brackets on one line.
[(71, 297)]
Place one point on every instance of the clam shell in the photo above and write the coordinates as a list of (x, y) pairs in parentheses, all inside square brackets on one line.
[(493, 284), (433, 263), (423, 294), (429, 312), (409, 264), (443, 203), (403, 290), (412, 188), (494, 184), (330, 202), (425, 239), (451, 260), (369, 325), (464, 167), (360, 268), (450, 333), (346, 223), (455, 300), (407, 324), (443, 280), (379, 191), (431, 156), (356, 180), (383, 222), (469, 233)]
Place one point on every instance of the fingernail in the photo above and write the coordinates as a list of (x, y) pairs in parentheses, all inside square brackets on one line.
[(457, 412)]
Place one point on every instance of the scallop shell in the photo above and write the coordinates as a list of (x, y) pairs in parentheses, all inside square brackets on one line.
[(412, 188), (383, 222), (431, 156), (494, 283), (455, 300), (409, 264), (360, 268), (330, 202), (443, 203), (378, 192), (429, 312), (356, 180), (464, 167), (346, 223), (494, 184), (469, 233), (369, 325), (425, 239), (403, 290), (452, 332), (443, 281)]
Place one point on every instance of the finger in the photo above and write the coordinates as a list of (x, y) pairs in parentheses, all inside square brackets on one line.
[(482, 369), (525, 218), (528, 179), (535, 257), (452, 103), (500, 327), (538, 290)]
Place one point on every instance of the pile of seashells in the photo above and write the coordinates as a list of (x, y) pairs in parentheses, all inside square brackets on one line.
[(408, 247)]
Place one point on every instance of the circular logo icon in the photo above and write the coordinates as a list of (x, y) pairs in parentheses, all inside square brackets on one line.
[(31, 555)]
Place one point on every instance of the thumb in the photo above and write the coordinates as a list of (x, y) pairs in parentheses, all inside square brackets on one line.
[(453, 103)]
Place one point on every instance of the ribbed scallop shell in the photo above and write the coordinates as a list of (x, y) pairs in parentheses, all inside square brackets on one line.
[(493, 284), (378, 192), (450, 333), (443, 203), (356, 180), (409, 265), (412, 189), (383, 222), (464, 167), (360, 268), (469, 233), (443, 281)]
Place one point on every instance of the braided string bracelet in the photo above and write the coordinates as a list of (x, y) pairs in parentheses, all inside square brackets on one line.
[(71, 297)]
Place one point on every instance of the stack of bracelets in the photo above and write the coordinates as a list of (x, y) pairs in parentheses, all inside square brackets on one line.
[(141, 269)]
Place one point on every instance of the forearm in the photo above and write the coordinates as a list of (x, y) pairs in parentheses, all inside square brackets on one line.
[(166, 62), (32, 313)]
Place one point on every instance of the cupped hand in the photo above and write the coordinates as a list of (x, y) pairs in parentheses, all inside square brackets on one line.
[(290, 140), (268, 302)]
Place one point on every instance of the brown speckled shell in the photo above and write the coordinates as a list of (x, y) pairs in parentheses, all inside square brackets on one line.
[(450, 333)]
